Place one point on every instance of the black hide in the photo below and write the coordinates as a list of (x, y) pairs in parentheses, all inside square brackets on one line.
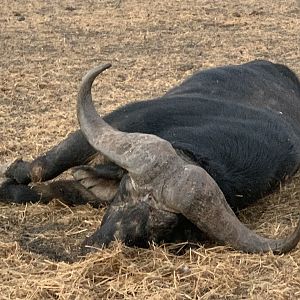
[(240, 123)]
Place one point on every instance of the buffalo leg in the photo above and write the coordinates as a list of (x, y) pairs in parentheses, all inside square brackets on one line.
[(95, 185), (73, 151), (69, 192)]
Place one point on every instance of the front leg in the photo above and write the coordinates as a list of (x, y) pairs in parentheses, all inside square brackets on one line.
[(73, 151)]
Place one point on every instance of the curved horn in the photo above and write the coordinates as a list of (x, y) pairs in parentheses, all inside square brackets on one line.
[(181, 187), (135, 152), (200, 200)]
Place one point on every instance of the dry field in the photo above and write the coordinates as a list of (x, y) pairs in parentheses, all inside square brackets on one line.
[(45, 48)]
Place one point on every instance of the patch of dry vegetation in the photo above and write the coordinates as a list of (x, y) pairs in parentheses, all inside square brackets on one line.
[(45, 49)]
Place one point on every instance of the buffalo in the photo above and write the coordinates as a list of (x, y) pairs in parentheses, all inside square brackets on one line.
[(178, 167)]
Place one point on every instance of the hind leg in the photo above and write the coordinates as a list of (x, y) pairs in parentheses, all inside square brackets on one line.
[(95, 185), (69, 192)]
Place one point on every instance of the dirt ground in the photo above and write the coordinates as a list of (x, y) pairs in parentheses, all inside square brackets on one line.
[(46, 47)]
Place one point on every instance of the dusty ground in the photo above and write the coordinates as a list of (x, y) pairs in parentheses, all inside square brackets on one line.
[(46, 46)]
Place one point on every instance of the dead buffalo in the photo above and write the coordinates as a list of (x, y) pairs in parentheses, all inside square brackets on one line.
[(178, 166)]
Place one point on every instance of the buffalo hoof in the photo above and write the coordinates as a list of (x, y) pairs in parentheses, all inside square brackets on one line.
[(19, 171), (3, 169)]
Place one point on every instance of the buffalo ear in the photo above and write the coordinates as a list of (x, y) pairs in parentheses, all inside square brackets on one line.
[(104, 189)]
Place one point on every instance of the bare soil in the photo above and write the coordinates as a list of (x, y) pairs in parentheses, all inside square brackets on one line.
[(45, 48)]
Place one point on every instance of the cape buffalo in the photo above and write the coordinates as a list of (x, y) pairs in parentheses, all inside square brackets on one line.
[(180, 165)]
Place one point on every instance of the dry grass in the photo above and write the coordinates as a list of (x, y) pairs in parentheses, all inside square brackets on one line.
[(46, 46)]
